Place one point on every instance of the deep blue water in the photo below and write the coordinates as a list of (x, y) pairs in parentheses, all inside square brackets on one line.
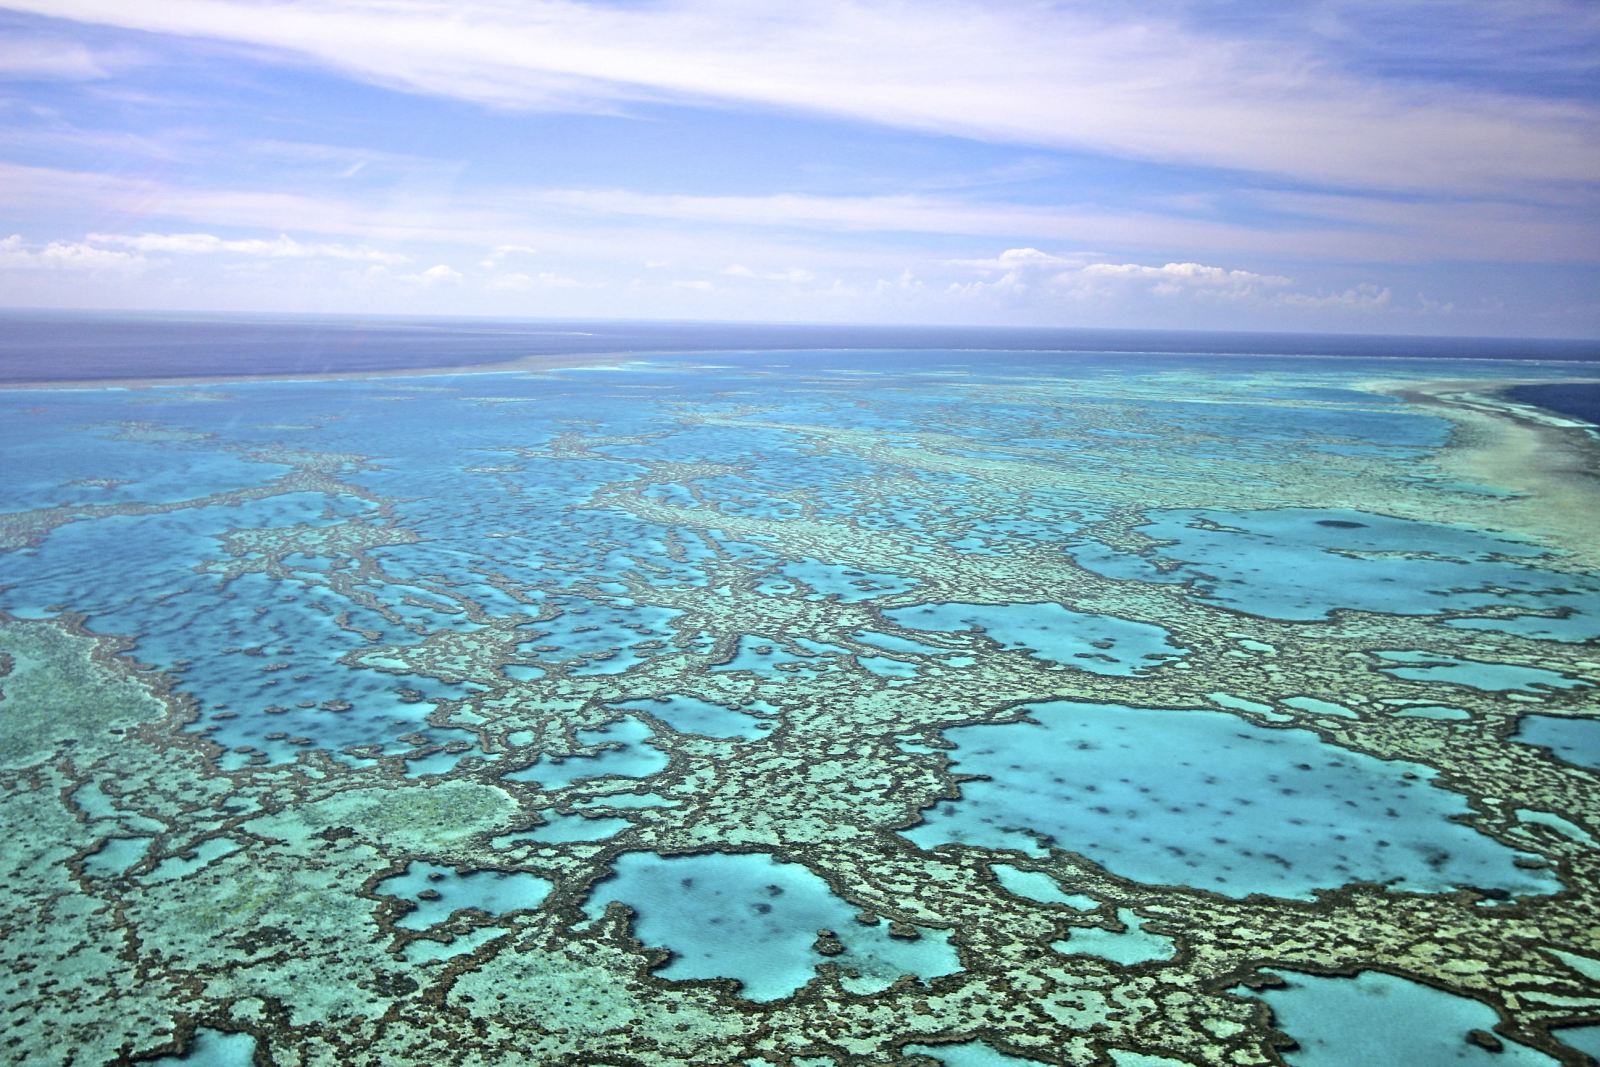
[(40, 346), (1579, 400)]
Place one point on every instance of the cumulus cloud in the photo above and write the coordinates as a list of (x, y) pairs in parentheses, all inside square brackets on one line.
[(1020, 271), (1016, 270), (1019, 259), (904, 282), (438, 274), (1174, 278)]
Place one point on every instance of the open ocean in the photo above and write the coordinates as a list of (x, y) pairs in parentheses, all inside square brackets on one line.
[(75, 346), (763, 692)]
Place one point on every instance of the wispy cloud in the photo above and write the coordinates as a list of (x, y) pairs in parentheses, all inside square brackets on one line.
[(566, 221), (39, 58), (500, 253), (1163, 86), (1031, 275), (279, 247), (794, 275), (1019, 260), (17, 254), (1367, 296), (517, 281)]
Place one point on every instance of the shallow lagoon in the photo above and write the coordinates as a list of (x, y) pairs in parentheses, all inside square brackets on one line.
[(1380, 1018), (741, 621), (760, 921), (1198, 798), (1297, 563)]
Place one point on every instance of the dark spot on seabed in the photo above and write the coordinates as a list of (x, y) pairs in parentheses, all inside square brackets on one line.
[(1341, 524)]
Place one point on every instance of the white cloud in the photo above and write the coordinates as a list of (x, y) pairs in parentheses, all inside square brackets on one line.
[(794, 275), (47, 59), (1435, 307), (517, 281), (15, 254), (1366, 296), (1014, 271), (1018, 259), (280, 247), (697, 284), (575, 221), (1174, 278), (905, 282), (438, 274), (1075, 76), (501, 253), (1027, 274)]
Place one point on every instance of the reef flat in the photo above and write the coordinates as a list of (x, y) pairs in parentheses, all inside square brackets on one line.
[(803, 707)]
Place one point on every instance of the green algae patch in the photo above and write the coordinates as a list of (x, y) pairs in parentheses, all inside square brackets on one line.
[(406, 818), (60, 687)]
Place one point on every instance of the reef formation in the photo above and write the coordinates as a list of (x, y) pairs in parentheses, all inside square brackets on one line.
[(812, 708)]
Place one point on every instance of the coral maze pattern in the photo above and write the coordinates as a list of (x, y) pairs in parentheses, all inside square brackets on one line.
[(793, 708)]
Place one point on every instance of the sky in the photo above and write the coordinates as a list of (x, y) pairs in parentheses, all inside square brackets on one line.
[(1403, 166)]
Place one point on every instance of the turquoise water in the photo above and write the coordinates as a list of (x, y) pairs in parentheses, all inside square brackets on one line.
[(436, 893), (1575, 740), (691, 715), (1298, 563), (337, 712), (1379, 1018), (1131, 945), (213, 1048), (1200, 798), (1491, 677), (622, 751), (969, 1054), (1099, 643), (1036, 885), (1585, 1039), (757, 920), (561, 828)]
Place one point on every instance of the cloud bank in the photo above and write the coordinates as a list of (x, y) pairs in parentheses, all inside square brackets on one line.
[(1161, 86)]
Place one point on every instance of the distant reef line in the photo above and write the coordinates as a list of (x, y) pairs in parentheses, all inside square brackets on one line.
[(1550, 461), (523, 364)]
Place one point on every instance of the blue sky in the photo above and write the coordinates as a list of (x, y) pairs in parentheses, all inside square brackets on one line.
[(1422, 166)]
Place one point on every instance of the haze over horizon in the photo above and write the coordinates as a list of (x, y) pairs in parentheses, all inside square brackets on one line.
[(1423, 166)]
